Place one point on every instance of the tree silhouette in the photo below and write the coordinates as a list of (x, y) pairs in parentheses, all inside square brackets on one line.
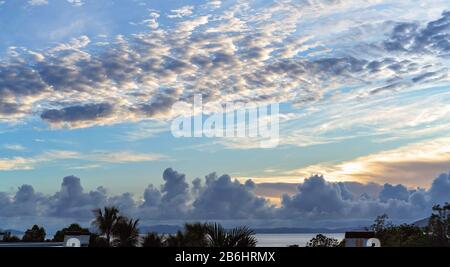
[(404, 235), (439, 224), (153, 240), (203, 235), (73, 228), (381, 223), (10, 238), (195, 235), (35, 234), (175, 240), (126, 232), (105, 221), (236, 237), (321, 241)]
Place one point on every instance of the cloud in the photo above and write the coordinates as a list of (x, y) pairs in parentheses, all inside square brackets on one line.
[(38, 2), (275, 191), (98, 157), (175, 194), (214, 4), (26, 202), (46, 2), (72, 202), (440, 188), (76, 2), (181, 12), (225, 199), (236, 55), (410, 37), (222, 198), (394, 192), (318, 199), (331, 197), (14, 147), (413, 163), (28, 163), (122, 157), (78, 114)]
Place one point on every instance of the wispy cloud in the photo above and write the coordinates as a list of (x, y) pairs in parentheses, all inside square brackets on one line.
[(29, 163), (95, 157), (14, 147), (38, 2)]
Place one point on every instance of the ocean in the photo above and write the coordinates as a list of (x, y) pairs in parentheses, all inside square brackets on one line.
[(284, 240)]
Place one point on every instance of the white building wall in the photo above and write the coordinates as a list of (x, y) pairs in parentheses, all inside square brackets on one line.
[(355, 242)]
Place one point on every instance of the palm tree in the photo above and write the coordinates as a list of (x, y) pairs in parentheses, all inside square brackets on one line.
[(196, 235), (153, 240), (175, 241), (217, 235), (237, 237), (241, 237), (105, 221), (126, 232)]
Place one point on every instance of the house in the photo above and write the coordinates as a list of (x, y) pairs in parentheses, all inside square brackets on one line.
[(75, 239), (361, 239)]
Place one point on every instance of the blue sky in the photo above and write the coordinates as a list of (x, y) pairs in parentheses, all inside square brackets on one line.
[(86, 89)]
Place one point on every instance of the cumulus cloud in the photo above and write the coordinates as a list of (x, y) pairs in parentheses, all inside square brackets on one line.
[(394, 192), (222, 198), (331, 197), (319, 199), (72, 202)]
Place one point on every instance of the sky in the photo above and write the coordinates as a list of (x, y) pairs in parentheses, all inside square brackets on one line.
[(87, 90)]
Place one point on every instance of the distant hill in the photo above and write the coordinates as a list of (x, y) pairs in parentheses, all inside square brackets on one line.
[(171, 229), (162, 229), (421, 223), (13, 232), (293, 230)]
